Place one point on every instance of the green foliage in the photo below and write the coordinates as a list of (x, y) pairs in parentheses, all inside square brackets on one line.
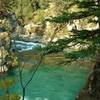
[(37, 49), (56, 46), (7, 5), (39, 4), (85, 11), (59, 19), (24, 9), (39, 16), (89, 52)]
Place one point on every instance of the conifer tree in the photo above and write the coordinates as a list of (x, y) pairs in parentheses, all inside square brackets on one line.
[(85, 11)]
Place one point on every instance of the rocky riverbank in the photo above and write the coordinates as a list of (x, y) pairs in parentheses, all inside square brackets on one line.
[(7, 58), (92, 89)]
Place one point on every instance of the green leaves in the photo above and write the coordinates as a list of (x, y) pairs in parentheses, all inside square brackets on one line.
[(7, 5), (83, 53), (84, 11)]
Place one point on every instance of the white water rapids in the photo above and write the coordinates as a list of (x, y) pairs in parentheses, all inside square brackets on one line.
[(25, 46)]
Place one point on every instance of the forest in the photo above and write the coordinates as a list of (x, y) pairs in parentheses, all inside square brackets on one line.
[(49, 49)]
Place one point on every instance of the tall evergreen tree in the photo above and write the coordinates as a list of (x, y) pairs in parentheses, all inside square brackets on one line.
[(86, 10)]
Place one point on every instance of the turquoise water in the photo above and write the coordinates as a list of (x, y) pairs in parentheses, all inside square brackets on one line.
[(53, 82)]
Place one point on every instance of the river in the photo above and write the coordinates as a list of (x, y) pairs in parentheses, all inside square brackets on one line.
[(51, 82)]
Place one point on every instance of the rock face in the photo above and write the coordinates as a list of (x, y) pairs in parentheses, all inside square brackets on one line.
[(4, 48), (7, 26), (92, 88), (30, 31), (7, 58)]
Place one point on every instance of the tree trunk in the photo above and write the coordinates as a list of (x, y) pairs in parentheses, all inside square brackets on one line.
[(23, 97)]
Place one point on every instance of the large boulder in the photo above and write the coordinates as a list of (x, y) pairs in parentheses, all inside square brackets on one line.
[(30, 32)]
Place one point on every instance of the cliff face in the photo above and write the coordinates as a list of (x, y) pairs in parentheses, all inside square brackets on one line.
[(92, 88), (4, 50), (7, 59), (39, 28)]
